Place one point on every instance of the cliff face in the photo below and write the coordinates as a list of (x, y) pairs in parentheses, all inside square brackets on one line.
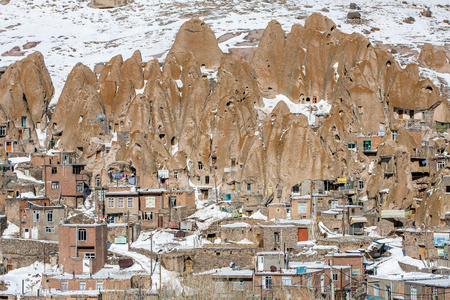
[(179, 117), (25, 92)]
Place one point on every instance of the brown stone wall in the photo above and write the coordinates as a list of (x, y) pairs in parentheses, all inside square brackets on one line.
[(288, 237), (133, 232), (20, 253), (210, 258)]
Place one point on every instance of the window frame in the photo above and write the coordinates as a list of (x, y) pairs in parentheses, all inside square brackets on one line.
[(82, 234), (120, 202), (49, 216), (55, 185), (111, 202), (130, 200)]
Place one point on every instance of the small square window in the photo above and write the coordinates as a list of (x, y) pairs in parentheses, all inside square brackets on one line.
[(54, 170), (55, 185)]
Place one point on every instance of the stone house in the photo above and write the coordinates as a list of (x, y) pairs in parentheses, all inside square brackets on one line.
[(288, 283), (428, 289), (41, 222), (235, 280), (354, 260), (426, 244), (162, 208), (82, 247), (66, 182), (277, 237), (239, 231), (348, 219), (388, 286), (14, 206), (341, 276), (278, 211)]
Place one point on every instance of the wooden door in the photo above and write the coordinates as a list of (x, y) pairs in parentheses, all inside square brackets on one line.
[(21, 133), (421, 252), (160, 221), (8, 146), (302, 234)]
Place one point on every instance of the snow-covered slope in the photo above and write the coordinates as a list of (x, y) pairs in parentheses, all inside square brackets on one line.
[(70, 32)]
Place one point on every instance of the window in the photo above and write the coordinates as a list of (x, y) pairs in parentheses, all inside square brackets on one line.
[(367, 145), (276, 237), (334, 203), (24, 121), (54, 170), (440, 164), (346, 276), (249, 187), (110, 219), (82, 285), (394, 135), (351, 146), (239, 186), (175, 175), (387, 290), (200, 165), (376, 290), (120, 203), (206, 179), (286, 280), (64, 286), (148, 215), (110, 202), (49, 216), (309, 281), (172, 201), (90, 255), (99, 285), (97, 181), (335, 276), (150, 201), (80, 187), (302, 208), (360, 110), (199, 180), (26, 172), (130, 202), (50, 229), (238, 284), (77, 169), (413, 293), (82, 234), (267, 282), (35, 216), (55, 185), (2, 130), (319, 203), (233, 162), (295, 189), (361, 185)]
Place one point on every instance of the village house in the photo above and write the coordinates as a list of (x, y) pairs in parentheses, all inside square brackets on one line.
[(82, 247), (122, 204), (354, 260), (341, 276), (235, 280), (397, 285), (162, 208), (346, 219), (66, 183), (41, 222)]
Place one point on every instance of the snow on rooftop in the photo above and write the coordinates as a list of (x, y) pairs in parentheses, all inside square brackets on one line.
[(258, 215), (234, 273), (11, 231), (237, 224)]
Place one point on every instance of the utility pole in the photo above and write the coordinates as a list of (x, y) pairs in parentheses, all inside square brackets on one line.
[(151, 261), (331, 281), (160, 279)]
